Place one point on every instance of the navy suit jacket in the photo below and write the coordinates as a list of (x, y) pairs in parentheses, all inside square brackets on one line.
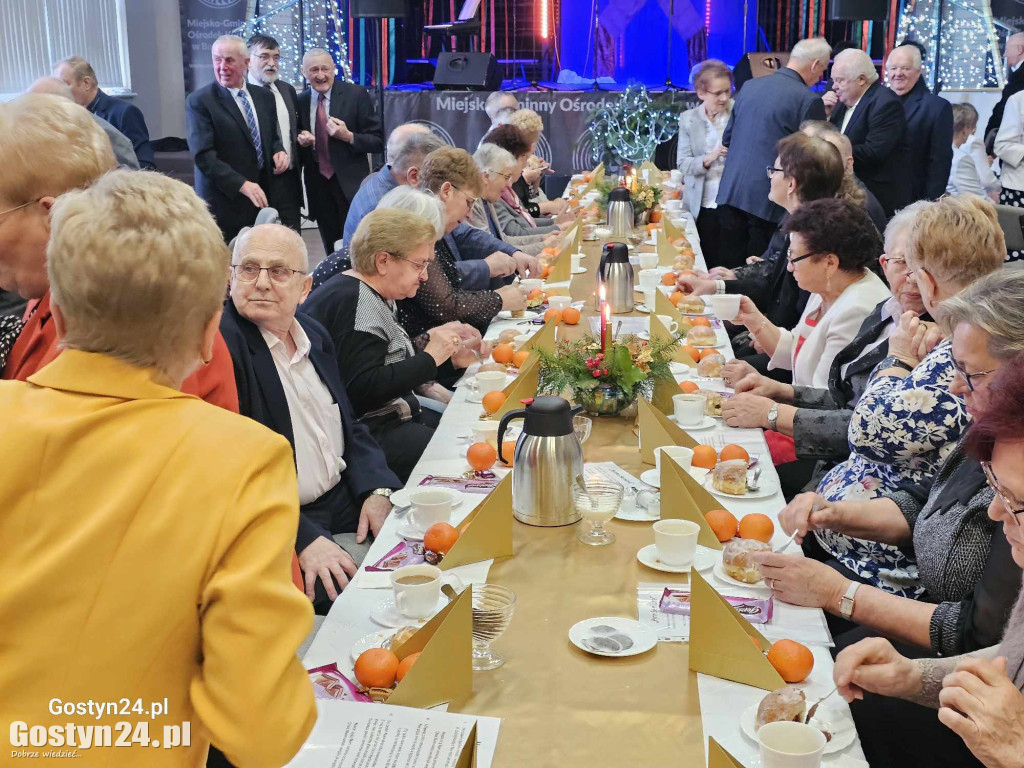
[(929, 142), (878, 132), (128, 119), (767, 109), (261, 397)]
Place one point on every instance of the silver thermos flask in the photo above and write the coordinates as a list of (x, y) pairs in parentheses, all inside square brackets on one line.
[(616, 273), (620, 212)]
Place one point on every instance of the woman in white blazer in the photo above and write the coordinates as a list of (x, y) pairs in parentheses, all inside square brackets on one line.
[(1009, 148), (700, 155), (832, 242)]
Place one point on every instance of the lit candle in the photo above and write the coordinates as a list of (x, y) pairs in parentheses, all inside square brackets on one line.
[(600, 308), (606, 316)]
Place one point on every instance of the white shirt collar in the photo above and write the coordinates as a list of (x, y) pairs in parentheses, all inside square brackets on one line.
[(1017, 66), (234, 92), (892, 309), (299, 338)]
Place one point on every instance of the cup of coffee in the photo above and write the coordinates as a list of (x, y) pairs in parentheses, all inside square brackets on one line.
[(530, 284), (671, 325), (417, 590), (726, 305), (676, 541), (649, 278), (688, 409), (487, 381), (650, 297), (485, 432), (680, 454), (648, 261), (574, 261), (559, 302), (520, 341), (790, 745), (673, 205), (675, 175), (429, 506)]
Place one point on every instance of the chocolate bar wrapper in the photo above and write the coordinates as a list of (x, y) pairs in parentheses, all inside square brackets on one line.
[(481, 481), (753, 609), (404, 553), (329, 683)]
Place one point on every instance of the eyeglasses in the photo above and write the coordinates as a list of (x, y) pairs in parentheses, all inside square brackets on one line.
[(771, 170), (470, 200), (969, 377), (250, 273), (789, 256), (420, 265), (16, 208), (1014, 507), (507, 177), (896, 261)]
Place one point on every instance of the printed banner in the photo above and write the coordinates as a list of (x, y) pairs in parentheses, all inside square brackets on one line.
[(202, 22)]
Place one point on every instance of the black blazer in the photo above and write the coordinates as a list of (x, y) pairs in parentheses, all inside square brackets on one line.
[(224, 153), (877, 131), (261, 397), (929, 142), (350, 103), (1014, 84)]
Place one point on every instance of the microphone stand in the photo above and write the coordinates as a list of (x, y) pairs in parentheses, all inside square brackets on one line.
[(593, 44), (669, 85)]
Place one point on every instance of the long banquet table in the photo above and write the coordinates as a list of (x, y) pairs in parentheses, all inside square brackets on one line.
[(559, 705)]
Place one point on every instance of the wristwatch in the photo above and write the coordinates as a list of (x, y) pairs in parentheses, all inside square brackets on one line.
[(773, 417), (385, 492), (846, 601), (894, 362)]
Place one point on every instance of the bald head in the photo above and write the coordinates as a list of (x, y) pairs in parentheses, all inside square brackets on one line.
[(273, 239), (52, 86), (399, 136), (1015, 49), (841, 142), (903, 68)]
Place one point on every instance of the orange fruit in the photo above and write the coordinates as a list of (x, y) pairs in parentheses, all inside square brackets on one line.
[(508, 450), (693, 352), (700, 321), (708, 353), (493, 401), (731, 451), (757, 526), (503, 353), (704, 456), (406, 664), (440, 537), (550, 251), (688, 387), (570, 315), (553, 315), (676, 297), (376, 668), (723, 523), (655, 217), (536, 292), (669, 278), (546, 271), (481, 456), (791, 660), (519, 358)]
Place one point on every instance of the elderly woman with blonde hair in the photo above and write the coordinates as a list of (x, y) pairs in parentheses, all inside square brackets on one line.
[(180, 542), (528, 187)]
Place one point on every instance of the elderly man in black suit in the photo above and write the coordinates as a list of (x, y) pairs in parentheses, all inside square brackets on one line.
[(338, 128), (873, 119), (288, 380), (234, 140), (766, 110), (929, 125), (1014, 55), (285, 192)]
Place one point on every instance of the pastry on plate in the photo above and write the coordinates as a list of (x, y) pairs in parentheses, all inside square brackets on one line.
[(401, 636), (737, 560), (692, 304), (508, 335), (711, 366), (730, 477), (780, 706), (683, 261), (712, 401), (701, 336)]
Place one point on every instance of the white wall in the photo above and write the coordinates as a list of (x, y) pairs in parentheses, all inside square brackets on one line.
[(154, 50)]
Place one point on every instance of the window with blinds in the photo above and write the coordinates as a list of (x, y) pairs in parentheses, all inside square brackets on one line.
[(38, 33)]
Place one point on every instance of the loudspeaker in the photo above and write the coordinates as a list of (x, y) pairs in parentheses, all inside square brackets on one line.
[(475, 71), (758, 65), (378, 9), (858, 10)]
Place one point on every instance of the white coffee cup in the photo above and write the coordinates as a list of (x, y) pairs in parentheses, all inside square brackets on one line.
[(487, 381), (725, 305), (429, 506), (530, 284), (650, 297), (688, 409), (680, 454), (649, 278), (559, 302), (788, 744), (648, 261), (676, 541), (676, 175), (673, 205), (574, 261), (671, 325), (416, 600), (485, 432), (519, 341)]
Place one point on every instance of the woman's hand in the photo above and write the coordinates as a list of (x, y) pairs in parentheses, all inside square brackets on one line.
[(532, 175), (873, 665), (551, 240), (808, 512), (734, 370), (982, 706), (754, 383), (721, 273), (749, 315), (443, 343), (799, 580), (908, 339), (750, 411), (512, 297), (695, 285)]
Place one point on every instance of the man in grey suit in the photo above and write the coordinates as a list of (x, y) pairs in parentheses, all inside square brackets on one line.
[(766, 110)]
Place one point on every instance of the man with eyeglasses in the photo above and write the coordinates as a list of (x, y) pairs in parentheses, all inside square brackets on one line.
[(929, 125), (287, 375), (285, 192)]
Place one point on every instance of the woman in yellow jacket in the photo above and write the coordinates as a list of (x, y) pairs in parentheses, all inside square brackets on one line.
[(145, 535)]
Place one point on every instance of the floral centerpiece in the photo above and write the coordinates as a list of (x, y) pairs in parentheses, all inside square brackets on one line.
[(605, 380), (643, 196)]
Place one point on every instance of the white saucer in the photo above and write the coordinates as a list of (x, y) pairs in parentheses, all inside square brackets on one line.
[(705, 423), (408, 531), (704, 560), (380, 639), (386, 614), (639, 514), (725, 578), (578, 270), (767, 488), (642, 308), (840, 725), (403, 498), (716, 345), (640, 637), (506, 314), (651, 476)]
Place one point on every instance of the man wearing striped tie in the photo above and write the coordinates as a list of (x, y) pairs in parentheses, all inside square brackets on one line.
[(234, 139)]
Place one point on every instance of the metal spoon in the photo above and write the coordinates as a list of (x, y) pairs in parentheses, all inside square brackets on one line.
[(755, 483), (814, 707)]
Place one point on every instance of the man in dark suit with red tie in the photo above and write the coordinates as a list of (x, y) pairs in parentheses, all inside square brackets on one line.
[(234, 140), (285, 192), (338, 128)]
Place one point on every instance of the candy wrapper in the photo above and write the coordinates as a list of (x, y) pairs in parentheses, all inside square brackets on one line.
[(753, 609), (482, 482), (405, 553), (329, 683)]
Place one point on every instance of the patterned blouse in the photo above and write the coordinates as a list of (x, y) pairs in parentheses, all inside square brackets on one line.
[(901, 431)]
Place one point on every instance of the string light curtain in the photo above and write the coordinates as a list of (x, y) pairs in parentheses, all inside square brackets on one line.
[(960, 38)]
